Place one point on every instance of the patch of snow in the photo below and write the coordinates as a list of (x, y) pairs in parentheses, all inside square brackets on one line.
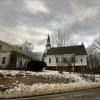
[(40, 89)]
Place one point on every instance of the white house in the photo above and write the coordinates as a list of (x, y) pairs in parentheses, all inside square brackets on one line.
[(74, 56), (12, 57)]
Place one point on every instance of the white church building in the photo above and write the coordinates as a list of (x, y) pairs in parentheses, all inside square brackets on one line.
[(68, 56)]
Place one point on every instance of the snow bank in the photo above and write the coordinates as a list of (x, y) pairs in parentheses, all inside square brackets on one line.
[(42, 89)]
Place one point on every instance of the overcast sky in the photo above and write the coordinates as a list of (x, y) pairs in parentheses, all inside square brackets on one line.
[(33, 20)]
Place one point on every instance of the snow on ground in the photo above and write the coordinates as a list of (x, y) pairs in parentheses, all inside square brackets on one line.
[(72, 76), (19, 87), (42, 89)]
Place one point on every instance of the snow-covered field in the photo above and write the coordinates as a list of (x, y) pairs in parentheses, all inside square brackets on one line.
[(25, 83)]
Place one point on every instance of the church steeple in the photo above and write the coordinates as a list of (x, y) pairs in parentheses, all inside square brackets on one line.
[(48, 45)]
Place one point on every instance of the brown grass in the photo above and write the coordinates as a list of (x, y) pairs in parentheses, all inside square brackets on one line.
[(8, 81)]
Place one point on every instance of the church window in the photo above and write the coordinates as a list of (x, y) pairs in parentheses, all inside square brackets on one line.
[(81, 59), (56, 60), (49, 60)]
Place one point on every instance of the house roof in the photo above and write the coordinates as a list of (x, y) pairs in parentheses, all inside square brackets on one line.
[(77, 50), (15, 49)]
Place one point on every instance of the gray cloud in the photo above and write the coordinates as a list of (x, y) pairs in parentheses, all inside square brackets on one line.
[(33, 20)]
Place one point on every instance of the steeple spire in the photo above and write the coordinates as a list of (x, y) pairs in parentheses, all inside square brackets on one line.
[(48, 45), (48, 40)]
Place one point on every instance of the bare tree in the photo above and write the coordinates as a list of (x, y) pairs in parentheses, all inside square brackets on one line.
[(92, 64), (60, 39), (96, 43), (94, 47), (28, 46), (70, 62), (94, 55)]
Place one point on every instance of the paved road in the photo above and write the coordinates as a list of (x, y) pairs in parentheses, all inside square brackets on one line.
[(93, 94)]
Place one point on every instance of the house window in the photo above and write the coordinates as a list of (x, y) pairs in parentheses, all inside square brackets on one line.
[(20, 48), (25, 64), (3, 60), (21, 63), (0, 46), (56, 60), (81, 59), (49, 60)]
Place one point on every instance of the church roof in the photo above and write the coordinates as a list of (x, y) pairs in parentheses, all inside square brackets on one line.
[(77, 50)]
